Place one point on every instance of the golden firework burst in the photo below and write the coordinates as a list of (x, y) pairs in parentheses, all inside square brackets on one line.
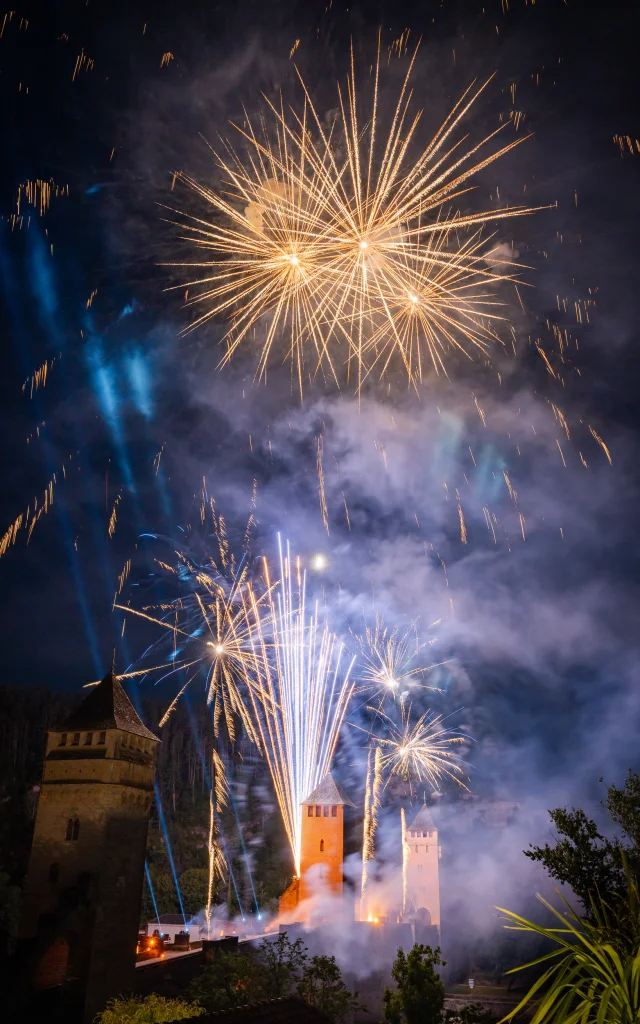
[(345, 241), (422, 751)]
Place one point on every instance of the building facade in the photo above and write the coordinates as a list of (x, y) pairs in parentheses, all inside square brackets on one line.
[(421, 860), (322, 846), (84, 884)]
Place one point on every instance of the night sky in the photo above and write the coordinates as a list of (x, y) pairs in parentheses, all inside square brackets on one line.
[(539, 632)]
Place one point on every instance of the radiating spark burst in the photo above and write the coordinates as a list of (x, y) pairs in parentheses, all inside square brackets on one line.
[(421, 751), (215, 629), (389, 660), (325, 232), (436, 306), (307, 690)]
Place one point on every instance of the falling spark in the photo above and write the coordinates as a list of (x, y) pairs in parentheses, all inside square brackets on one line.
[(30, 518), (112, 519), (561, 454), (39, 193), (321, 490), (601, 443), (38, 378), (463, 528), (83, 63), (350, 251)]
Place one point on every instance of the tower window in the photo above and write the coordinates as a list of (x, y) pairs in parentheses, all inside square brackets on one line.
[(419, 867), (89, 739), (73, 829), (54, 872), (416, 847), (63, 740), (310, 811), (334, 811), (322, 846), (103, 737), (318, 812), (76, 739), (325, 810)]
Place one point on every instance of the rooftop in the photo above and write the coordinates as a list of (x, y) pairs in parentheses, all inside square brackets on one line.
[(423, 822), (328, 792), (107, 706)]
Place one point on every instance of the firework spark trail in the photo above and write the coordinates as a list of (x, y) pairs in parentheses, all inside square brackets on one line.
[(403, 826), (347, 243), (420, 751), (218, 798), (321, 490), (307, 688), (371, 809), (366, 832)]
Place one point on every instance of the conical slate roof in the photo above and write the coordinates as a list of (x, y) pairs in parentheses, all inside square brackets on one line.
[(423, 822), (107, 707), (328, 792)]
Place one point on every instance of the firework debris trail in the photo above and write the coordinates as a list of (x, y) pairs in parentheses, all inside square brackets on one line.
[(371, 809)]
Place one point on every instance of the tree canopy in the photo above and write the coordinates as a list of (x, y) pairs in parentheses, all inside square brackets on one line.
[(419, 995), (583, 858)]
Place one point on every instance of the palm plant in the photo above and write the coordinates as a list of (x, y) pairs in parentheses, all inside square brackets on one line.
[(593, 974)]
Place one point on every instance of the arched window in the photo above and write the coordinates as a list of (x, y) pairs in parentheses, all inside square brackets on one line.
[(334, 811), (322, 846), (325, 810), (419, 867), (416, 847), (73, 829), (310, 811)]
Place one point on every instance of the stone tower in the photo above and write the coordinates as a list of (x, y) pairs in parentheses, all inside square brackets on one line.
[(422, 866), (84, 883), (322, 845)]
